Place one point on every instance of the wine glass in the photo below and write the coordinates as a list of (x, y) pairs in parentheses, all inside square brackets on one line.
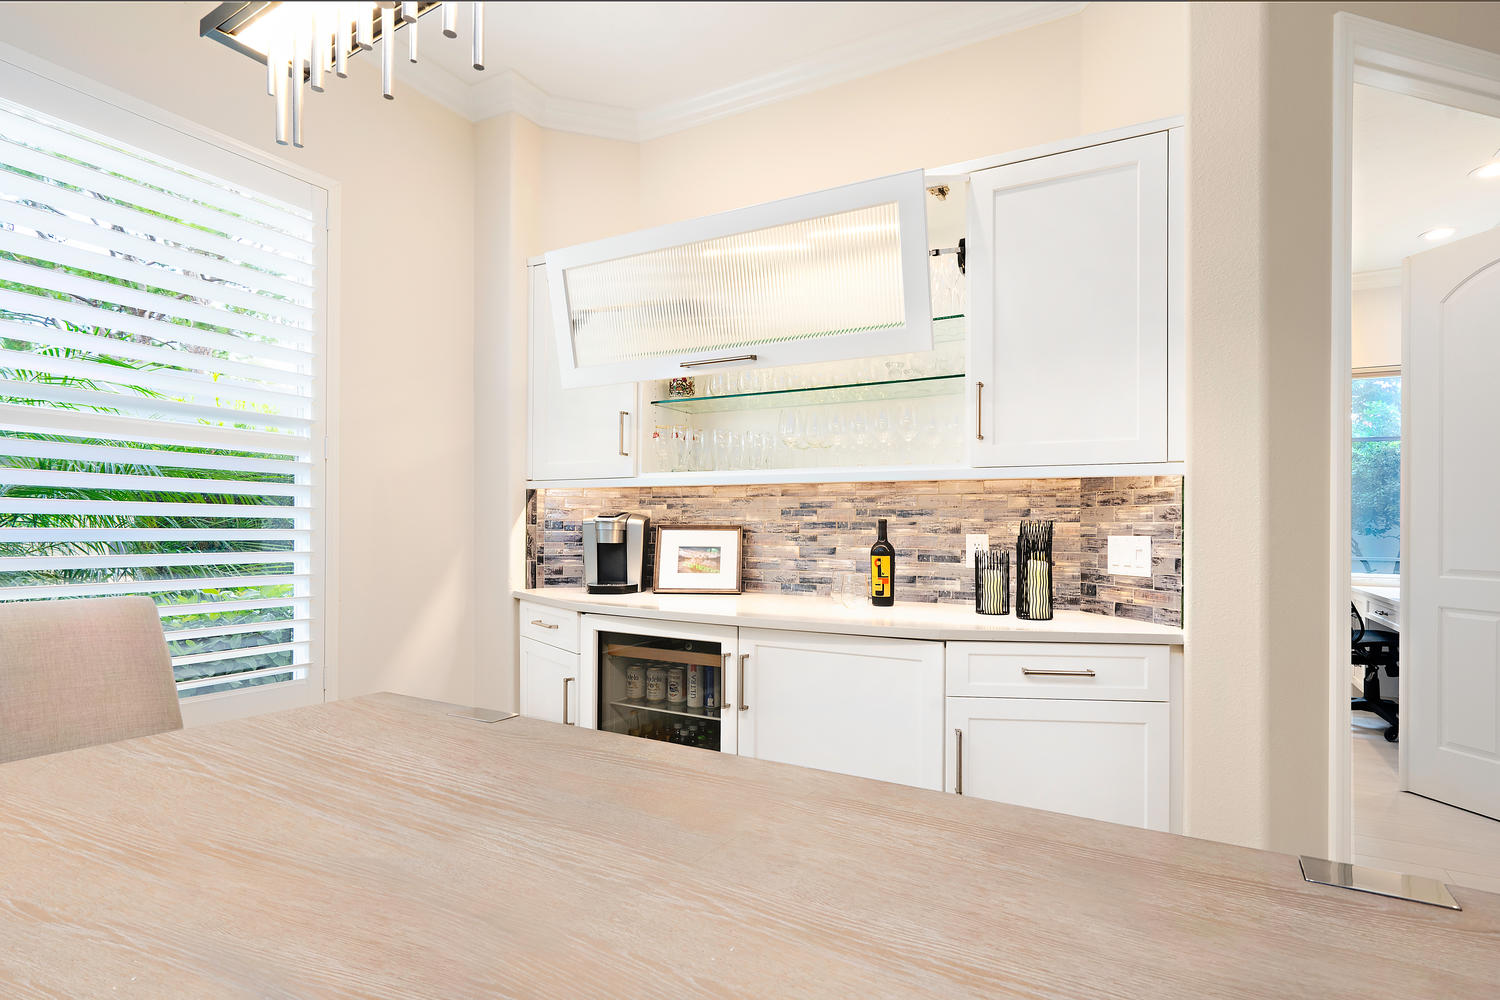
[(859, 434), (725, 444), (884, 434), (817, 433), (906, 427), (789, 426)]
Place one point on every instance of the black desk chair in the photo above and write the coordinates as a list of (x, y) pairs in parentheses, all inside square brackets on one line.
[(1374, 649)]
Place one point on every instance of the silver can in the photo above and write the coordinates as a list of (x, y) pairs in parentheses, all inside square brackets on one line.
[(635, 681), (656, 684), (676, 686)]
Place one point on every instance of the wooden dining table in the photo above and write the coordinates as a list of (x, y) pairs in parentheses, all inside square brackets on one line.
[(380, 847)]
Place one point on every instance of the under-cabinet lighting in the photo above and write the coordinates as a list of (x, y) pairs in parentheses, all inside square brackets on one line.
[(1438, 233)]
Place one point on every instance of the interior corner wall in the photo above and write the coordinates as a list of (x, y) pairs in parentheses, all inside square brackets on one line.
[(405, 170), (1259, 383)]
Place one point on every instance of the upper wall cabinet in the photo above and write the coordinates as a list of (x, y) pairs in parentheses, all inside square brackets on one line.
[(584, 433), (1071, 307), (836, 274)]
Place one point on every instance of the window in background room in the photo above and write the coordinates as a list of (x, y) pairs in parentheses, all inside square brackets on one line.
[(161, 401), (1375, 546)]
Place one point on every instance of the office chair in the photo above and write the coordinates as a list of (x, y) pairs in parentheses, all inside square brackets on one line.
[(1374, 649)]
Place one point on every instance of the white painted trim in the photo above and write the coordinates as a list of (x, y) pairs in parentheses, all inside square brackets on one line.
[(505, 91), (1435, 69), (1363, 281), (865, 474)]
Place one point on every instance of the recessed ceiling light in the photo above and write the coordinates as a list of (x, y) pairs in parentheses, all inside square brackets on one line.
[(1438, 233), (1486, 170)]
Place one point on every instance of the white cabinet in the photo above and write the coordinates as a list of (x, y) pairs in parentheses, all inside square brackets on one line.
[(550, 682), (587, 433), (1108, 760), (841, 273), (1069, 306), (862, 706)]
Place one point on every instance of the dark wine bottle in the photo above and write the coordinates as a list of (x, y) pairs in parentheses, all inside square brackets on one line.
[(882, 569)]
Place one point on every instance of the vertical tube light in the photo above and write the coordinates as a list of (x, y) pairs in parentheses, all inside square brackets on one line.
[(317, 50), (450, 19), (364, 29), (278, 60), (409, 15), (343, 38), (388, 53), (478, 40)]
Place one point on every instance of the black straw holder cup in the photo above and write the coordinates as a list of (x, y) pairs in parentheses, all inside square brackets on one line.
[(992, 581), (1034, 571)]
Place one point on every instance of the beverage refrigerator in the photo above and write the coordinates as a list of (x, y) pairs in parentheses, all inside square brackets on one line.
[(677, 683)]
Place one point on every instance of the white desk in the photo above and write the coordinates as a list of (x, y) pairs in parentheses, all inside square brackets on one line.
[(1381, 606)]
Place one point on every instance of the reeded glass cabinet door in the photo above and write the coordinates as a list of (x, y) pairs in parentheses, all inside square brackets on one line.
[(836, 274)]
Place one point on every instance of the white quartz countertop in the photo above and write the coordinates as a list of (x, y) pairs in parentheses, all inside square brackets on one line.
[(809, 613)]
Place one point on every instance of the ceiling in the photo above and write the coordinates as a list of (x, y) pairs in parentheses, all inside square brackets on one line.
[(1411, 173), (640, 70)]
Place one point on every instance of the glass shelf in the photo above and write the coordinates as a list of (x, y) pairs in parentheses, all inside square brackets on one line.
[(710, 714), (854, 392)]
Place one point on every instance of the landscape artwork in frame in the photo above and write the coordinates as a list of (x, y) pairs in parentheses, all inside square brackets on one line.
[(698, 558)]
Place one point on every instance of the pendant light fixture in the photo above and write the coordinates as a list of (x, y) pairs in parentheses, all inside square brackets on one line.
[(301, 42)]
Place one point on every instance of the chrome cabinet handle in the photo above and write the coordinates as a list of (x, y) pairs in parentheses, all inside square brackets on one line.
[(724, 703), (623, 415), (541, 624), (958, 762), (979, 411), (744, 657), (719, 361), (1039, 672), (566, 682)]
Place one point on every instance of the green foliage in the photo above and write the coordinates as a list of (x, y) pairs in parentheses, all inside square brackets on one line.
[(1375, 510)]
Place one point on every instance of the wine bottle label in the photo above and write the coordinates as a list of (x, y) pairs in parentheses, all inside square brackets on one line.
[(880, 576)]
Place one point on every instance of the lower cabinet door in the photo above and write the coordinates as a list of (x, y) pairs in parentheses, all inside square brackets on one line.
[(549, 683), (855, 705), (1108, 760)]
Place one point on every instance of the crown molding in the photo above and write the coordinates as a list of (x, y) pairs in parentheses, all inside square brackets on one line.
[(508, 91), (1362, 281)]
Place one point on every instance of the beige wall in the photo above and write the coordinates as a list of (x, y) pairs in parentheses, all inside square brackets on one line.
[(1375, 325), (406, 173), (1050, 82), (1259, 165)]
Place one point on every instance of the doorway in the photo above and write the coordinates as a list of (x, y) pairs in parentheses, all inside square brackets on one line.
[(1418, 168)]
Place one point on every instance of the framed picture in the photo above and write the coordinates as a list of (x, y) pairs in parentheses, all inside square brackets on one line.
[(698, 558)]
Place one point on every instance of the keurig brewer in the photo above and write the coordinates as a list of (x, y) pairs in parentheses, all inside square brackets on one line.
[(614, 553)]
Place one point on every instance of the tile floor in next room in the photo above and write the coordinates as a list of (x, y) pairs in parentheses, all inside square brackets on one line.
[(1399, 831)]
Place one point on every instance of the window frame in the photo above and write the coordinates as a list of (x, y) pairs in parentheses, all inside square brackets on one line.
[(53, 90), (1359, 579)]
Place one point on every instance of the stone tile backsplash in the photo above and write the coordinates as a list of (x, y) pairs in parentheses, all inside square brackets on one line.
[(797, 536)]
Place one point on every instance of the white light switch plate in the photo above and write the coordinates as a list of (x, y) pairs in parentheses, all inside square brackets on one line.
[(1130, 555), (972, 543)]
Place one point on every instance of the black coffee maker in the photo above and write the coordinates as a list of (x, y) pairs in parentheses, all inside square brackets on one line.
[(614, 553)]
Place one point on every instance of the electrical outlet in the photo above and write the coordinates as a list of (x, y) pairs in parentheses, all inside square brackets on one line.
[(1130, 555), (973, 542)]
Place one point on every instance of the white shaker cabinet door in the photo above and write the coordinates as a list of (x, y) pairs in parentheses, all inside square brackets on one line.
[(549, 683), (1069, 305), (1108, 760), (587, 433), (855, 705)]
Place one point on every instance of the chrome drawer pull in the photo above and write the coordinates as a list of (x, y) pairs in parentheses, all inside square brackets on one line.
[(719, 361), (541, 624), (623, 415), (958, 762), (744, 658), (1038, 672), (566, 681), (979, 411)]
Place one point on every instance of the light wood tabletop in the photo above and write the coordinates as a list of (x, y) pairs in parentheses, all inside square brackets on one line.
[(380, 848)]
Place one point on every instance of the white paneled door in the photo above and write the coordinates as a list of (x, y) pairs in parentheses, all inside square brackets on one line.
[(1450, 657), (871, 707)]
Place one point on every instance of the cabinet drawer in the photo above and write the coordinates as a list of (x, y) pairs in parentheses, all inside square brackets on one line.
[(1071, 670), (553, 626), (1382, 614)]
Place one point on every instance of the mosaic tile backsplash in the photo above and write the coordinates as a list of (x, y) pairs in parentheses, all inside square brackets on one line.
[(797, 536)]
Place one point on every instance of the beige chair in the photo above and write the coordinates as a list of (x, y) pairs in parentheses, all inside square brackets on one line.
[(80, 672)]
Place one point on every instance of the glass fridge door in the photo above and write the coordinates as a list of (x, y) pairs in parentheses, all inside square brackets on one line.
[(666, 688)]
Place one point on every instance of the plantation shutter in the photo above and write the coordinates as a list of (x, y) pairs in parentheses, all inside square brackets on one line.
[(161, 368)]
